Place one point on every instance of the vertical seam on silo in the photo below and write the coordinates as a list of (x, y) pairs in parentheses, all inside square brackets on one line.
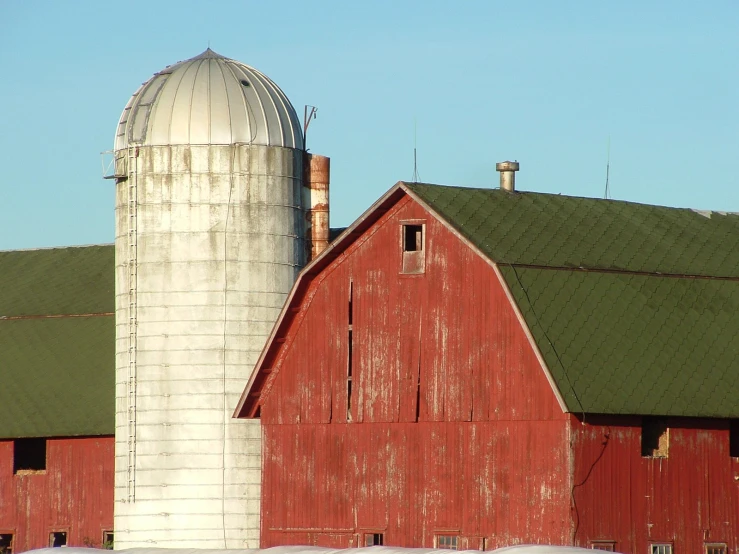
[(270, 86), (132, 103), (154, 109), (225, 322), (192, 101), (292, 117), (174, 101), (228, 105), (247, 106), (208, 117)]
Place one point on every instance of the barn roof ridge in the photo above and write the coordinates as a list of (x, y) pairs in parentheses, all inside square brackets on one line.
[(547, 230)]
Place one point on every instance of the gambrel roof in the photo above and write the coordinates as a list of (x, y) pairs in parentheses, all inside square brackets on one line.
[(631, 307), (57, 342)]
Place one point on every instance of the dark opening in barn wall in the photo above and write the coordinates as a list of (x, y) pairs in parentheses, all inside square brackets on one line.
[(413, 238), (374, 539), (655, 437), (57, 539), (6, 543), (734, 438), (29, 455)]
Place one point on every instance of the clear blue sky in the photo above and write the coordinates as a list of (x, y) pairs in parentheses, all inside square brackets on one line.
[(543, 82)]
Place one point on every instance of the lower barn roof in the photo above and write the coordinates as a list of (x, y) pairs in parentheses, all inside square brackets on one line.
[(57, 342), (620, 343)]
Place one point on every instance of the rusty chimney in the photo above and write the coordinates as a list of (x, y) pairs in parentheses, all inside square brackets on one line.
[(316, 172), (507, 175)]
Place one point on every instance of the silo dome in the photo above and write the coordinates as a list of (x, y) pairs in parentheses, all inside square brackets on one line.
[(209, 100)]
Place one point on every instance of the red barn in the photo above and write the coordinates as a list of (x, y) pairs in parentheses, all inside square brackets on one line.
[(470, 368), (57, 393)]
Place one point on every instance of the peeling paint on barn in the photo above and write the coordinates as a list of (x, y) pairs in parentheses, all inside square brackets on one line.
[(460, 402)]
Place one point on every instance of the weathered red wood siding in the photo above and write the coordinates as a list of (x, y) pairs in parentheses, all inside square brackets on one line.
[(74, 494), (688, 499), (484, 454)]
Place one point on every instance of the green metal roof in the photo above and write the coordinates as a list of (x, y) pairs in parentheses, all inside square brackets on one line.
[(564, 231), (57, 342), (633, 307)]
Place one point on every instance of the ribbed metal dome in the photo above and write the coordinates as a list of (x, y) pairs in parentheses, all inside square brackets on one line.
[(209, 99)]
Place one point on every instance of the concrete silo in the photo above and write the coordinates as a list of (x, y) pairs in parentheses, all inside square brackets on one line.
[(210, 220)]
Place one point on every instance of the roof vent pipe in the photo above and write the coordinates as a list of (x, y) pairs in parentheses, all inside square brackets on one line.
[(507, 175)]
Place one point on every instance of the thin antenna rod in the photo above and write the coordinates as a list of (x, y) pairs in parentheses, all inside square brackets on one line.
[(607, 194), (416, 178), (307, 117)]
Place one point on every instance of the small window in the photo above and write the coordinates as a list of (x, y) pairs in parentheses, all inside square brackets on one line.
[(448, 542), (661, 548), (716, 548), (108, 540), (57, 539), (734, 438), (412, 245), (412, 238), (655, 437), (29, 455), (606, 546), (373, 539), (6, 543)]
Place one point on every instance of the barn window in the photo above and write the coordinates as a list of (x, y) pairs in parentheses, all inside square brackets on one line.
[(448, 542), (57, 539), (108, 540), (6, 543), (655, 437), (716, 548), (412, 241), (29, 455), (606, 546), (734, 438), (660, 548), (373, 539)]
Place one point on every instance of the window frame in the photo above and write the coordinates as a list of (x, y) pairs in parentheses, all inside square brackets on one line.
[(715, 545), (52, 532), (654, 548), (412, 262), (370, 533), (611, 544), (453, 539), (103, 543)]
